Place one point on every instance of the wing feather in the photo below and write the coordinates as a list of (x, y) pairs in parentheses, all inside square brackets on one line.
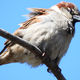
[(36, 12)]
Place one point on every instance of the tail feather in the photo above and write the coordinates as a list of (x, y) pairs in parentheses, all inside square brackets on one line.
[(6, 57)]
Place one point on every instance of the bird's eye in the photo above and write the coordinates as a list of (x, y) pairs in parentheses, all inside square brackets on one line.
[(71, 11)]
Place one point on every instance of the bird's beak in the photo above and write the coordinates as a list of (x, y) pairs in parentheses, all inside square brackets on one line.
[(76, 18)]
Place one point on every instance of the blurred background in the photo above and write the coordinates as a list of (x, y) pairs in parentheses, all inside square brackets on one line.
[(11, 12)]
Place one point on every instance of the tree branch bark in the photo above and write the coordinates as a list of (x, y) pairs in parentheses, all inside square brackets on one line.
[(51, 65)]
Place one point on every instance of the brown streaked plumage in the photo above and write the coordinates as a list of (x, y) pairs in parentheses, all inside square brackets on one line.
[(36, 12), (49, 29)]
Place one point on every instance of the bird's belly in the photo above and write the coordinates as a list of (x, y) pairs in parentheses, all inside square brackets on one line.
[(55, 47), (59, 47)]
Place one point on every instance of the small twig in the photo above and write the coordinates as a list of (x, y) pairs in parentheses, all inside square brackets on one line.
[(51, 65)]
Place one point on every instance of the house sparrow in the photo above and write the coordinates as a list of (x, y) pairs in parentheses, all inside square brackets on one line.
[(51, 30)]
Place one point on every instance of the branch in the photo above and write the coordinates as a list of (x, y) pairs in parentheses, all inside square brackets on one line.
[(36, 51)]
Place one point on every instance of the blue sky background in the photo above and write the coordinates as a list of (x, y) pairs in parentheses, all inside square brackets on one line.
[(11, 12)]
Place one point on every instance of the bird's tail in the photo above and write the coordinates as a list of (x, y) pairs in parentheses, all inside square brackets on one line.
[(7, 57)]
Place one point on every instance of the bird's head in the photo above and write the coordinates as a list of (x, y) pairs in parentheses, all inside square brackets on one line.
[(69, 10)]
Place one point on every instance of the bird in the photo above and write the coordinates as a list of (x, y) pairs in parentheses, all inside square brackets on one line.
[(51, 30)]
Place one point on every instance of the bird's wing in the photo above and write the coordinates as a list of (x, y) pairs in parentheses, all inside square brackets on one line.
[(34, 14)]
